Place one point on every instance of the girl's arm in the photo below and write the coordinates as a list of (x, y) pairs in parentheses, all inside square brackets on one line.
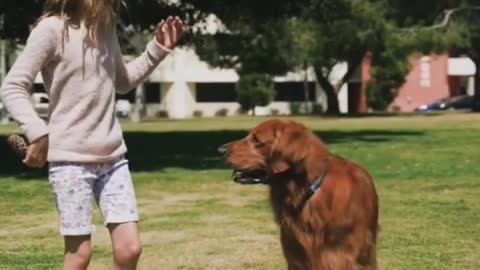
[(40, 48), (128, 76)]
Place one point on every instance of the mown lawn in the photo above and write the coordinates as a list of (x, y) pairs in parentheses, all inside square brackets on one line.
[(426, 170)]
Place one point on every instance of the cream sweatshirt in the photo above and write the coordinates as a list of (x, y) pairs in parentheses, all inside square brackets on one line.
[(81, 78)]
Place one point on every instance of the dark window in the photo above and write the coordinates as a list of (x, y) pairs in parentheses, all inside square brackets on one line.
[(216, 92), (38, 88), (294, 91), (153, 93), (130, 96)]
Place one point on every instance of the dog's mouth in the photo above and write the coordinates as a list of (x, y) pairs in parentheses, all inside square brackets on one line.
[(250, 177)]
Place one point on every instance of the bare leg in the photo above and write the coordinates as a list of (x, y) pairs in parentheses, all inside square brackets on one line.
[(126, 244), (78, 252)]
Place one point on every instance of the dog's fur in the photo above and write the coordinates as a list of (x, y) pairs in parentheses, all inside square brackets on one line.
[(336, 228)]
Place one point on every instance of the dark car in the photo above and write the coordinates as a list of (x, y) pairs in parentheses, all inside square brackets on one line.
[(452, 103)]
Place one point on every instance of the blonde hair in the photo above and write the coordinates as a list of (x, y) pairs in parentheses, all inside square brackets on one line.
[(93, 15)]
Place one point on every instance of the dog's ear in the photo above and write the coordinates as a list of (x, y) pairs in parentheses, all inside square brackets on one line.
[(289, 149)]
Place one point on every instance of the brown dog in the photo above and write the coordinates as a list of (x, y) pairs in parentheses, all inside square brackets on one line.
[(326, 206)]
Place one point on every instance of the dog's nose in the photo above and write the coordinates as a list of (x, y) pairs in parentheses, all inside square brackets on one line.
[(223, 149)]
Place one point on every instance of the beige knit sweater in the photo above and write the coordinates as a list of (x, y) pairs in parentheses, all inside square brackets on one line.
[(81, 77)]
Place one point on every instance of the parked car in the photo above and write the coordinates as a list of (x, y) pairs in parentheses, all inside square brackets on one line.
[(2, 112), (41, 103), (452, 103), (123, 108)]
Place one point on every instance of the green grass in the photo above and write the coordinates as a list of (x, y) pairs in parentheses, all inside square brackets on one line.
[(193, 217)]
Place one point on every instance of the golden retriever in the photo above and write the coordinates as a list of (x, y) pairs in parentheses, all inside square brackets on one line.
[(326, 206)]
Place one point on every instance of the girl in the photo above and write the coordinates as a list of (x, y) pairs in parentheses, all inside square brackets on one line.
[(75, 46)]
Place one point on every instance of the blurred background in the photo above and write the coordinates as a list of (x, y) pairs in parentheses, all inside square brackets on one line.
[(289, 57)]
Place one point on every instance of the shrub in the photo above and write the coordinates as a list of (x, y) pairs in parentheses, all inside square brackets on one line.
[(317, 109), (295, 108), (222, 112), (198, 113), (162, 114), (275, 112), (255, 90)]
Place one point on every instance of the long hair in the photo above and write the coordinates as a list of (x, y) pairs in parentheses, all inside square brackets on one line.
[(93, 15)]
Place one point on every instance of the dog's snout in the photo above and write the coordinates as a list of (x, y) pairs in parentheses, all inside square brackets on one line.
[(223, 149)]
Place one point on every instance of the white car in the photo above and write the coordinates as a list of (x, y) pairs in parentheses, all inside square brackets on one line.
[(123, 108), (2, 112), (41, 103)]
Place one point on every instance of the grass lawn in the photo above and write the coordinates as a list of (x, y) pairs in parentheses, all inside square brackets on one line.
[(426, 169)]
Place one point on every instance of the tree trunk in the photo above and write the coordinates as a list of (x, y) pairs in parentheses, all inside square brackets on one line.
[(476, 97), (333, 107), (139, 107), (3, 72), (306, 88), (332, 90), (353, 65)]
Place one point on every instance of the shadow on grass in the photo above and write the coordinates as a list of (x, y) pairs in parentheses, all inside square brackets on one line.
[(154, 151)]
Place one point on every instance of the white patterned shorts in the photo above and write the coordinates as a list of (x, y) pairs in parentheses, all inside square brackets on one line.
[(74, 185)]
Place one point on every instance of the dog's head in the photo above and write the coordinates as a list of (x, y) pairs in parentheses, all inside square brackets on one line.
[(274, 147)]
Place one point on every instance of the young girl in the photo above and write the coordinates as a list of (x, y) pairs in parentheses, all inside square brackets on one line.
[(75, 46)]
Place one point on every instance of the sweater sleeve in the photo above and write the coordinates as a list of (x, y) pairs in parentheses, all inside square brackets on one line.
[(15, 91), (129, 75)]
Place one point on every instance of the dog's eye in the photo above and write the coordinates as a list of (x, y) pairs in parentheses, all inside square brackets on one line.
[(256, 142)]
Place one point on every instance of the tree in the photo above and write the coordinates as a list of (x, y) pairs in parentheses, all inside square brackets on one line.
[(287, 35), (254, 90), (276, 36)]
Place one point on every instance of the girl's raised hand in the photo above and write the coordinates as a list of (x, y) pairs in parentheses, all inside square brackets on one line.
[(168, 32)]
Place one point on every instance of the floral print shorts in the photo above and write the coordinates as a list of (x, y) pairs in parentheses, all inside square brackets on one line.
[(74, 185)]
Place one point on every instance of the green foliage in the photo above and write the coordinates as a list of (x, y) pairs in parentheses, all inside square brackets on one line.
[(222, 112), (161, 114), (295, 108), (255, 90), (317, 109), (274, 112), (276, 36), (198, 113), (265, 49)]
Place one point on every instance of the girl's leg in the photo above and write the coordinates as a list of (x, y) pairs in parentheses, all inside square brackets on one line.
[(126, 245), (78, 252), (72, 186), (115, 195)]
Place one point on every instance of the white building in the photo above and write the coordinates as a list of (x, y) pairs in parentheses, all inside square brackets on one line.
[(188, 85), (183, 85)]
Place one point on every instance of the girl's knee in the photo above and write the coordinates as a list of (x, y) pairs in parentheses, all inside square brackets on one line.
[(128, 252), (78, 258), (78, 249)]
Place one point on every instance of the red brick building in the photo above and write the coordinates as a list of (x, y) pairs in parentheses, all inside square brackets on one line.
[(431, 78)]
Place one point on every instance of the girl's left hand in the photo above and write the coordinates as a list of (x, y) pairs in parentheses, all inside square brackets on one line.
[(169, 32)]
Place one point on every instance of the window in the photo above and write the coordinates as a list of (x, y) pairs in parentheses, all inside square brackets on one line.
[(425, 72), (38, 88), (130, 96), (216, 92), (294, 91), (153, 93)]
